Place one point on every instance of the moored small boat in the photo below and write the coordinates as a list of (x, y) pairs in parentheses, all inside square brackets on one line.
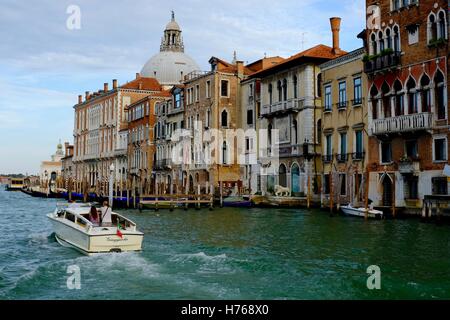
[(238, 202), (73, 229), (361, 212)]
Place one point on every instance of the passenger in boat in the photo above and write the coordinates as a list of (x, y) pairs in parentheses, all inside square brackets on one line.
[(93, 216), (106, 219)]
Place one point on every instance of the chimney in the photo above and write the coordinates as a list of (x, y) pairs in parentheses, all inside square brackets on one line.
[(240, 68), (87, 96), (138, 75), (80, 99), (336, 28), (105, 87), (114, 84)]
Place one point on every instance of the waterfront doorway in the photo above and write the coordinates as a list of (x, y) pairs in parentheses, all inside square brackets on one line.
[(295, 178), (387, 191), (282, 176)]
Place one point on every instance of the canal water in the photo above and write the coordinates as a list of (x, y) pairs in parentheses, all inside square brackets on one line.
[(227, 254)]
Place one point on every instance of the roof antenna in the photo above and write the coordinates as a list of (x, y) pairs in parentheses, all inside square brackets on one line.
[(303, 40)]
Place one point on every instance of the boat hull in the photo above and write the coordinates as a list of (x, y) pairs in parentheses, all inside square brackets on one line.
[(89, 244), (361, 212)]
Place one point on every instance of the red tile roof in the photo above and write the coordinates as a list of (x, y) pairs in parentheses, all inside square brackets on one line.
[(319, 53), (149, 84)]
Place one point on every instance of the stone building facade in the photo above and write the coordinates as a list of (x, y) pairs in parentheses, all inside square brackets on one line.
[(290, 113), (407, 67), (142, 117), (99, 119), (344, 128)]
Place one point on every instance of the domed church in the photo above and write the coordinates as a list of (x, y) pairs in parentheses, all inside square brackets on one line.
[(171, 64)]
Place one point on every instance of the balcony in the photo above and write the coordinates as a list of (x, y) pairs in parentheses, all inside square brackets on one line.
[(342, 105), (409, 167), (341, 158), (406, 123), (358, 156), (357, 102), (163, 164), (283, 106), (327, 158), (382, 63)]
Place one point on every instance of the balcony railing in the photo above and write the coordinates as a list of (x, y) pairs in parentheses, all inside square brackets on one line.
[(411, 122), (291, 104), (357, 102), (341, 105), (382, 63), (342, 157), (358, 155), (327, 158)]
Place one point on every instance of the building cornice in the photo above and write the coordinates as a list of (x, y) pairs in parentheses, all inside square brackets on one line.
[(349, 57)]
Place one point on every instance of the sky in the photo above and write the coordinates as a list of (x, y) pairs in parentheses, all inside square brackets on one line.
[(44, 65)]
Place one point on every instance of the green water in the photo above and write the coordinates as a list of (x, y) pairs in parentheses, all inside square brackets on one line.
[(227, 254)]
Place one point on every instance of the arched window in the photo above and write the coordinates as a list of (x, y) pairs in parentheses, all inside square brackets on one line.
[(432, 28), (439, 83), (224, 153), (386, 100), (295, 84), (380, 41), (396, 32), (425, 93), (285, 88), (280, 90), (388, 38), (399, 101), (412, 96), (224, 118), (442, 25), (270, 93), (373, 44), (374, 101)]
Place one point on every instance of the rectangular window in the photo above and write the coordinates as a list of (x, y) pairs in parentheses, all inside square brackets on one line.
[(197, 93), (224, 88), (329, 145), (343, 144), (328, 98), (250, 117), (357, 91), (440, 149), (440, 186), (359, 145), (386, 152), (250, 90), (411, 188), (247, 144), (342, 94), (208, 89), (411, 149)]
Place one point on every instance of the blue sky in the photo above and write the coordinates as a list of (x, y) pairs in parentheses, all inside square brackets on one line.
[(44, 65)]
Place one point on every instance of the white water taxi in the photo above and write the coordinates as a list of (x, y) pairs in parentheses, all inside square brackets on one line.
[(73, 228), (361, 212)]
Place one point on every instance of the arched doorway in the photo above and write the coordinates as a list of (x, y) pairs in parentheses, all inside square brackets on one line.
[(295, 178), (191, 184), (169, 184), (282, 176), (387, 191)]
